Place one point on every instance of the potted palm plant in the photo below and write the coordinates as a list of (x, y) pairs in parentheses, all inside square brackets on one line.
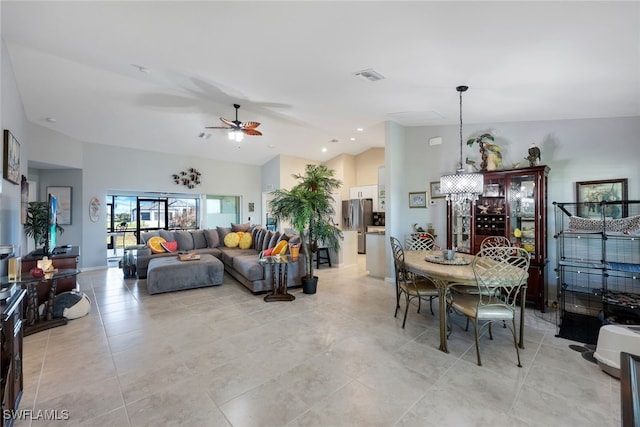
[(37, 222), (308, 207)]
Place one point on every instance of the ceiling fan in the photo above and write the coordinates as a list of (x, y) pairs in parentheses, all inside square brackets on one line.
[(238, 129)]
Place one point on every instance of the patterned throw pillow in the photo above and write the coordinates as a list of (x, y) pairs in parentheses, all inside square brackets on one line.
[(245, 241), (170, 246), (155, 244), (231, 240)]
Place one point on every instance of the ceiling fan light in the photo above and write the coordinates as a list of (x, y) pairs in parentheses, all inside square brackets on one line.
[(236, 135)]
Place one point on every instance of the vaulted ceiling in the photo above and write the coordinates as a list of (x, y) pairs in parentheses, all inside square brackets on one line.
[(153, 75)]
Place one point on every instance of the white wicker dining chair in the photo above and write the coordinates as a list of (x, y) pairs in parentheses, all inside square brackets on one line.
[(494, 241), (420, 242)]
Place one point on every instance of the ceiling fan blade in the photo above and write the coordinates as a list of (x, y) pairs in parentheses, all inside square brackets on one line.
[(252, 132), (228, 122), (249, 125)]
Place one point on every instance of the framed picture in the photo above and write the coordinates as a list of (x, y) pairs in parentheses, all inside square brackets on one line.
[(418, 199), (63, 195), (11, 158), (24, 199), (435, 190), (491, 190), (591, 193)]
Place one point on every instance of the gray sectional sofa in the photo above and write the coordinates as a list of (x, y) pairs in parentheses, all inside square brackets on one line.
[(241, 264)]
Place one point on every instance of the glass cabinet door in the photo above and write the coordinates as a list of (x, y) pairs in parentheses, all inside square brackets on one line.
[(461, 227), (522, 212)]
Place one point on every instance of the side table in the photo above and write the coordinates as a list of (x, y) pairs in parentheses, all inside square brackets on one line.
[(279, 268)]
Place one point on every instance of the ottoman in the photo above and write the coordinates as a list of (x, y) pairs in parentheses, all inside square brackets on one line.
[(166, 274), (612, 340)]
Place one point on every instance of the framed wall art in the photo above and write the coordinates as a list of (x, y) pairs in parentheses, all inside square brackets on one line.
[(24, 199), (63, 195), (418, 199), (591, 193), (11, 162), (435, 190)]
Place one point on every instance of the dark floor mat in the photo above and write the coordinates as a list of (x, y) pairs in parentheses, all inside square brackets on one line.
[(580, 328)]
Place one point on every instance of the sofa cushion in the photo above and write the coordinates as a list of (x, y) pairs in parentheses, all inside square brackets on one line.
[(168, 235), (184, 239), (248, 267), (257, 239), (211, 234), (245, 241), (199, 239), (268, 234), (240, 227), (274, 239), (223, 231), (231, 240), (146, 235)]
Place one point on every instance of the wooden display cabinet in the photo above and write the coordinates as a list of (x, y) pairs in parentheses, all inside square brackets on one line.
[(66, 258), (512, 199)]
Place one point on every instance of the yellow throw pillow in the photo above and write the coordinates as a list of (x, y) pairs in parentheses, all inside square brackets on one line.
[(155, 244), (231, 240), (245, 240), (280, 248)]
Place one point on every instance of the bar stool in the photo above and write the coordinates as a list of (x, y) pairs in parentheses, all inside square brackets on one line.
[(322, 257)]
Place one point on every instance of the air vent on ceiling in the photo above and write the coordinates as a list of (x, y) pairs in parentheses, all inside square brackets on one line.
[(369, 74)]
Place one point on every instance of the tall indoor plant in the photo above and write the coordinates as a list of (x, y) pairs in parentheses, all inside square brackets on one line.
[(308, 207), (37, 222)]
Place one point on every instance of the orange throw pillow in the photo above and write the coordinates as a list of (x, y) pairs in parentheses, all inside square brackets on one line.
[(155, 244)]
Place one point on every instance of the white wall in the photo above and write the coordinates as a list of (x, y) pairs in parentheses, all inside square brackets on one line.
[(575, 150), (12, 117)]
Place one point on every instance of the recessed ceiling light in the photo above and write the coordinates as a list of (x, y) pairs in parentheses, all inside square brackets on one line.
[(359, 129), (352, 139), (51, 120), (272, 146), (324, 149)]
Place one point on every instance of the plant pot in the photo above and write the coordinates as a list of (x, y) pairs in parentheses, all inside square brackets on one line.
[(309, 286)]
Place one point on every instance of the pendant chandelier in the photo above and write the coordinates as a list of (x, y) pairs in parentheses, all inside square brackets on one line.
[(461, 187)]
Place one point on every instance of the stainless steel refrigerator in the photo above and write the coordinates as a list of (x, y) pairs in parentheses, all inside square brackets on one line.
[(357, 214)]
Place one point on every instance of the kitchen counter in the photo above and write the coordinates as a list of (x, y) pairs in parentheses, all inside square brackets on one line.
[(376, 253), (376, 229)]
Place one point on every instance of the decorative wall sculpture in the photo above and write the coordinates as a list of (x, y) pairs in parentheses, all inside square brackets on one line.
[(189, 178)]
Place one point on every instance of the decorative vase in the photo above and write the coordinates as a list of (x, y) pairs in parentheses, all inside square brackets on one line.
[(309, 286), (294, 250)]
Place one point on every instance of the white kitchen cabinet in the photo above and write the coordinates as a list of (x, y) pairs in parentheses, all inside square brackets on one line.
[(365, 192)]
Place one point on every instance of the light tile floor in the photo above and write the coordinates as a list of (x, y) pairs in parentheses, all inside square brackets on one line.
[(220, 356)]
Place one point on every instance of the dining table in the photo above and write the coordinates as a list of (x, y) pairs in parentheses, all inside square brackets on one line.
[(445, 273)]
